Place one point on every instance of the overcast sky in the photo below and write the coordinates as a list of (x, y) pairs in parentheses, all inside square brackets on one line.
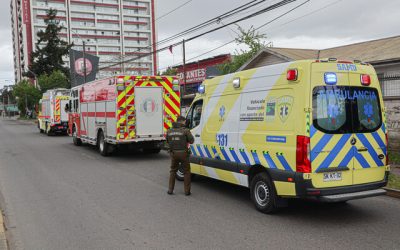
[(317, 24)]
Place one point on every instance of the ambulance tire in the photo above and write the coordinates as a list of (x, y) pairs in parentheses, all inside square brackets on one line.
[(263, 193), (104, 147), (180, 176), (75, 139)]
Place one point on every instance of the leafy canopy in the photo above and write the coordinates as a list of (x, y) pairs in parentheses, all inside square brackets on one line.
[(50, 49), (56, 79), (254, 41), (27, 95)]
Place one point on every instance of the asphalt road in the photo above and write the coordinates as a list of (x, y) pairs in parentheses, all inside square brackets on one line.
[(59, 196)]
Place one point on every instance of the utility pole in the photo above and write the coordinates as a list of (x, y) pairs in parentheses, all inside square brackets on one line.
[(84, 61), (184, 67)]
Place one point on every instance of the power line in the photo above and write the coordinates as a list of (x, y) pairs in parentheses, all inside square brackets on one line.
[(227, 14), (292, 20), (269, 8), (169, 12)]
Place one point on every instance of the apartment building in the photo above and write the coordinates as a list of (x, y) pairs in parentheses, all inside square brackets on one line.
[(114, 30)]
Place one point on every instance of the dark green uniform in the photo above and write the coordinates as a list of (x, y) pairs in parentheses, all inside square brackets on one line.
[(179, 138)]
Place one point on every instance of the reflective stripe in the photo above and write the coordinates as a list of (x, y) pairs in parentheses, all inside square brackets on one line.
[(371, 150), (269, 160), (284, 163), (320, 146), (334, 152)]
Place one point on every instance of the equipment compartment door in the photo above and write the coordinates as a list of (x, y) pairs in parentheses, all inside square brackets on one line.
[(149, 111)]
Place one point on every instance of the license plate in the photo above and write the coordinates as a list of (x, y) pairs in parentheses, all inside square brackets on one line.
[(333, 176)]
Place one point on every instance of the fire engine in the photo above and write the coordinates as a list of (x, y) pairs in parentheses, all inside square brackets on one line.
[(53, 117), (135, 110)]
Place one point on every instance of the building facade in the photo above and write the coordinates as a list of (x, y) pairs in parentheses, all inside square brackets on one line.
[(114, 30), (196, 73)]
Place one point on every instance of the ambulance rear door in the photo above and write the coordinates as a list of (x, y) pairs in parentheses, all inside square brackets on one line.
[(331, 149)]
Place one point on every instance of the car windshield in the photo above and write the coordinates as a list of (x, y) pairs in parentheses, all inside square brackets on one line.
[(341, 109)]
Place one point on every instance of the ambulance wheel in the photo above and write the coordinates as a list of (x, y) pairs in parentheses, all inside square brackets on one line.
[(104, 147), (263, 193), (75, 139), (180, 174)]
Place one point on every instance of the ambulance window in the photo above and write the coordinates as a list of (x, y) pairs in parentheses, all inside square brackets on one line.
[(329, 110), (368, 110), (194, 114)]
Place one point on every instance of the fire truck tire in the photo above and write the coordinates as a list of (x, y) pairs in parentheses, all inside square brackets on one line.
[(40, 130), (263, 193), (75, 139), (151, 150), (104, 147), (48, 130)]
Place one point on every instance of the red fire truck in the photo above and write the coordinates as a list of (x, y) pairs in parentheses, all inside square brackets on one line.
[(136, 110)]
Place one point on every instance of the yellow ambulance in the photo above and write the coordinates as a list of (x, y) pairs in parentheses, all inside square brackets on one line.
[(312, 129)]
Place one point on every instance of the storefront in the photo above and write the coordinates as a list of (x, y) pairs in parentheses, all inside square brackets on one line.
[(196, 73)]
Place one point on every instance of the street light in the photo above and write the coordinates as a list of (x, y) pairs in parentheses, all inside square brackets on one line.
[(35, 77)]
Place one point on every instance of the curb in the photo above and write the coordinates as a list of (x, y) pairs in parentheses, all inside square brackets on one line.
[(392, 192), (3, 240)]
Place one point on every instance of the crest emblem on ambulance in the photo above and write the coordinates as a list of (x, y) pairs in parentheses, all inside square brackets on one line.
[(284, 104), (148, 106), (221, 113)]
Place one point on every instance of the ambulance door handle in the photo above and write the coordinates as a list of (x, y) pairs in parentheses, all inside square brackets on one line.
[(362, 149), (197, 135)]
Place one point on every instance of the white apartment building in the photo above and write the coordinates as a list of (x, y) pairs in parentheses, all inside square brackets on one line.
[(114, 30)]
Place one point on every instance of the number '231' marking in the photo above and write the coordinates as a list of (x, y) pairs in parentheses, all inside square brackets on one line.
[(222, 140)]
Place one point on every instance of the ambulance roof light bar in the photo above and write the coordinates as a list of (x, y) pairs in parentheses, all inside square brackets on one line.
[(202, 89), (291, 75), (330, 78), (365, 80)]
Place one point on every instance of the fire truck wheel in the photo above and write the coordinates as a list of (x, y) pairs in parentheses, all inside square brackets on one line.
[(48, 130), (104, 147), (75, 139), (40, 130), (151, 150)]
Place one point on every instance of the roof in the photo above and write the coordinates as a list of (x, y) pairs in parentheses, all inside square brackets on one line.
[(374, 51)]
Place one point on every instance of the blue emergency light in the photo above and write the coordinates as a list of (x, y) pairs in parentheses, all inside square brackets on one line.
[(330, 78), (201, 89)]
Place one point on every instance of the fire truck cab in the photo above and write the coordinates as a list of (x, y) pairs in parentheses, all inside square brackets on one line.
[(135, 110)]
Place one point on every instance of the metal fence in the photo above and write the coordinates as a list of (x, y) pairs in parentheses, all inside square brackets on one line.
[(390, 85)]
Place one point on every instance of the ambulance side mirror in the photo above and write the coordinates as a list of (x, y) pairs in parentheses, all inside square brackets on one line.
[(187, 123)]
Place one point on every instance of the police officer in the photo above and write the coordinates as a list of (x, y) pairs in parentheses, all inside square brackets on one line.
[(178, 138)]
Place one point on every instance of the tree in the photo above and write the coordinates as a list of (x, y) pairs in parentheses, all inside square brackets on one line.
[(6, 96), (27, 96), (56, 79), (50, 49), (170, 72), (253, 40)]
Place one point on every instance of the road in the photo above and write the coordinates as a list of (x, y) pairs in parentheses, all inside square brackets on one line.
[(59, 196)]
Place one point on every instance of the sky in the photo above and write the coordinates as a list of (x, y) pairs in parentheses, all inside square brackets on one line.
[(317, 24)]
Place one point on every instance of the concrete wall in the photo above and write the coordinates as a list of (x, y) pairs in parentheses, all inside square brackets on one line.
[(393, 123)]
